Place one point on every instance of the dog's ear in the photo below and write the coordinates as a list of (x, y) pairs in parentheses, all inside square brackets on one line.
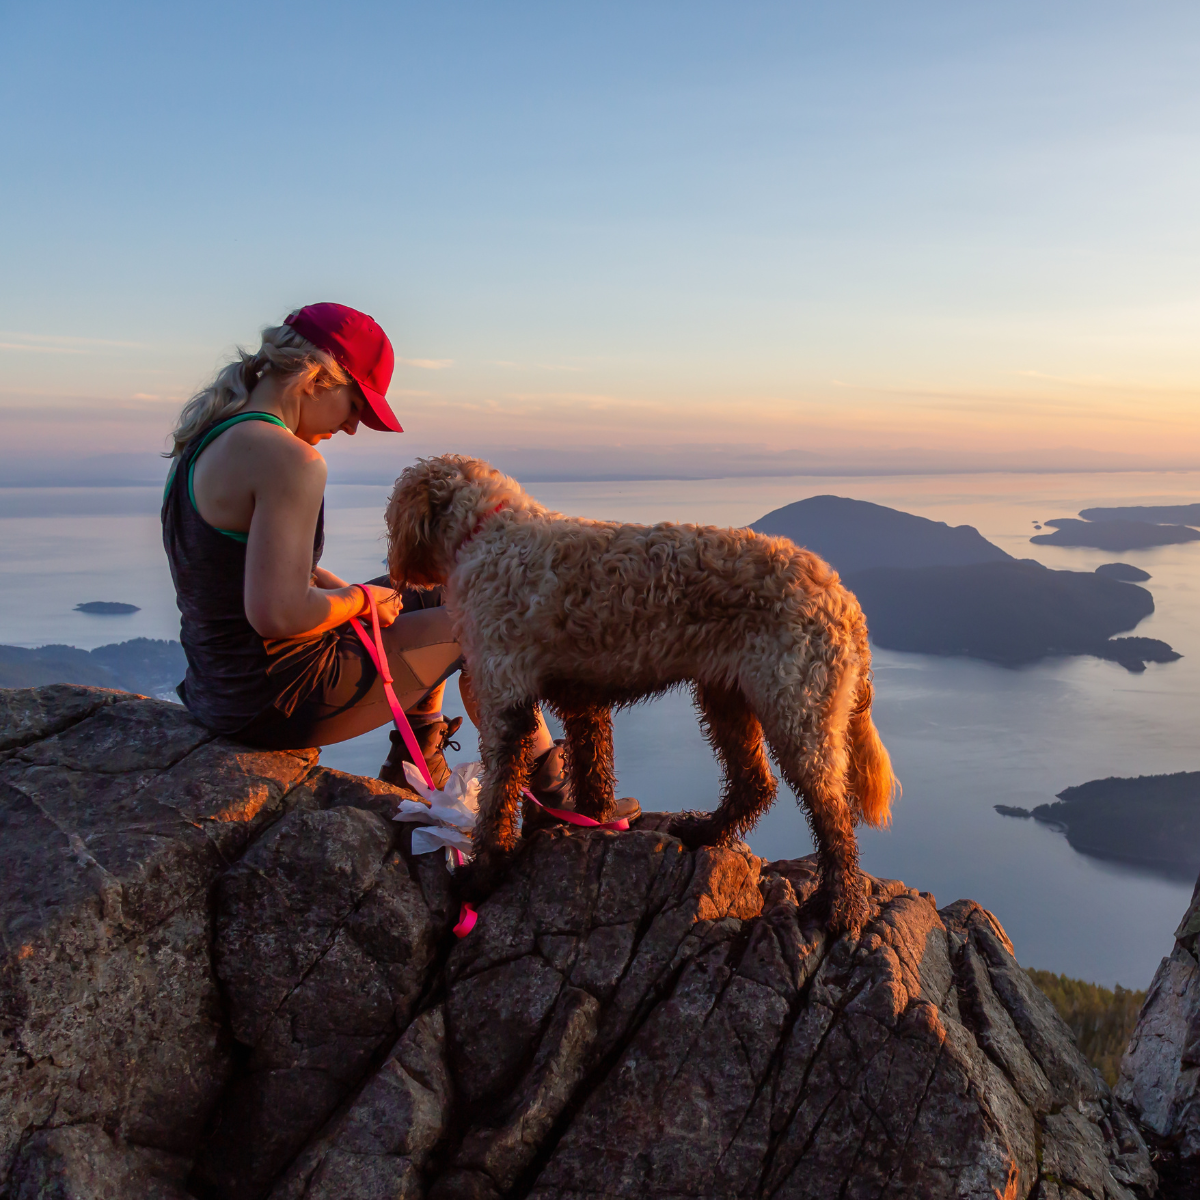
[(411, 533)]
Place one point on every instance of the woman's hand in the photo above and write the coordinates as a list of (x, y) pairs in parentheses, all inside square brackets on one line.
[(387, 602)]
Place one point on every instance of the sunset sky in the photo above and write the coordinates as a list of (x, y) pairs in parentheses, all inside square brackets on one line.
[(615, 239)]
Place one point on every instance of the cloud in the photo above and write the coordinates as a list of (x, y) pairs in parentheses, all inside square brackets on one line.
[(51, 343), (427, 364)]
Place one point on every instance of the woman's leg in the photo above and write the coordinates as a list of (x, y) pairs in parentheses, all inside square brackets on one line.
[(421, 653)]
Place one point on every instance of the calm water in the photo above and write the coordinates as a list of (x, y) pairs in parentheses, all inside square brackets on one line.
[(964, 735)]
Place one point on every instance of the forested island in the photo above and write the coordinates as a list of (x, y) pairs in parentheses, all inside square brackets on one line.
[(931, 588), (1125, 572), (1156, 514), (1114, 534), (147, 665), (1009, 613), (1152, 821)]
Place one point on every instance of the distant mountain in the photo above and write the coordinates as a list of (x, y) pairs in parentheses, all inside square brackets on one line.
[(932, 588), (1153, 820), (1156, 514), (1114, 534), (145, 665), (855, 535)]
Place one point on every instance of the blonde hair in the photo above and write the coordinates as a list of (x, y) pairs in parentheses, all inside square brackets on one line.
[(283, 352)]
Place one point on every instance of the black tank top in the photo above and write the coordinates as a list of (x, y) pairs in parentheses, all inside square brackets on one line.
[(234, 675)]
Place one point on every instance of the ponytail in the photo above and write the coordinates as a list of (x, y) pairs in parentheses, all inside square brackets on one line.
[(283, 352)]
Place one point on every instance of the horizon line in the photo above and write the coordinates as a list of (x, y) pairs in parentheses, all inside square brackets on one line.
[(819, 473)]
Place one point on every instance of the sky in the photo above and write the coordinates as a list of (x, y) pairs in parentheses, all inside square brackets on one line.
[(651, 239)]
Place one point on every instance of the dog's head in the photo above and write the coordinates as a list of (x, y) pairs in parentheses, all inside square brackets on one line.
[(436, 505)]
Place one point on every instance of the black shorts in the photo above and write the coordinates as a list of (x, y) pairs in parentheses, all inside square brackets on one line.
[(348, 699)]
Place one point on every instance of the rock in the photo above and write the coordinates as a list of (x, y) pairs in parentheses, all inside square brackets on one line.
[(1160, 1073), (30, 714), (381, 1141), (82, 1162), (117, 816), (323, 944), (225, 976), (111, 1013)]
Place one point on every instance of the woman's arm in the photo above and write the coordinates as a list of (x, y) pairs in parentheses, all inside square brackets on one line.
[(280, 598), (326, 580)]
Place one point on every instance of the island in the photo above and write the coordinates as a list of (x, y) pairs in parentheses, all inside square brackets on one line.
[(106, 608), (1152, 821), (1156, 514), (855, 535), (932, 588), (1114, 534), (1125, 572), (1010, 613), (149, 666), (1011, 810)]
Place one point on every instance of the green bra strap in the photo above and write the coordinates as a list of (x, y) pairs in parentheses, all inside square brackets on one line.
[(270, 418)]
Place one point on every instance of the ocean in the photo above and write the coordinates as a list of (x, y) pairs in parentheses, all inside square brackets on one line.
[(963, 735)]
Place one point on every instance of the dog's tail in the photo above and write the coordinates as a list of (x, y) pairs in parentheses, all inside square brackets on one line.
[(870, 783)]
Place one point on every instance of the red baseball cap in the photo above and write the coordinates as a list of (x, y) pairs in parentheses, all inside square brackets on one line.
[(360, 347)]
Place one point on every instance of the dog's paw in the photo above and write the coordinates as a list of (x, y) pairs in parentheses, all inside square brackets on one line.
[(695, 829), (845, 905)]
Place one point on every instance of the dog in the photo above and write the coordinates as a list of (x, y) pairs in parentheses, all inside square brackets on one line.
[(586, 615)]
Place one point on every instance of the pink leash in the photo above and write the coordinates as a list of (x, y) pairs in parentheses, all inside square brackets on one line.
[(374, 646), (575, 818), (467, 916)]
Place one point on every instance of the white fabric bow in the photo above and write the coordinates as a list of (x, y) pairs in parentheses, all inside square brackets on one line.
[(446, 817)]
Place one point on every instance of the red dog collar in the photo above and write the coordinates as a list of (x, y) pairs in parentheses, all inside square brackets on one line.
[(478, 527)]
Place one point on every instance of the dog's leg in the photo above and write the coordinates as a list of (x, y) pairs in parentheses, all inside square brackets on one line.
[(735, 735), (832, 824), (824, 799), (813, 760), (507, 751), (588, 730)]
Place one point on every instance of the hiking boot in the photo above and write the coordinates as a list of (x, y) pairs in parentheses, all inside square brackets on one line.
[(549, 783), (433, 740)]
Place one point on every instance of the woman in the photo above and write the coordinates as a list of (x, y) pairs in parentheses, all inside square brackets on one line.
[(272, 660)]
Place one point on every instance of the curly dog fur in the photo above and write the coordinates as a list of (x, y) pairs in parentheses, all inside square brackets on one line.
[(584, 615)]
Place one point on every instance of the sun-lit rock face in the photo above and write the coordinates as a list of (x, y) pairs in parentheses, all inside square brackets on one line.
[(224, 975)]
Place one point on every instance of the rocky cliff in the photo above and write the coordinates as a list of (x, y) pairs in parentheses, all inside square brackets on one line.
[(1160, 1074), (224, 975)]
